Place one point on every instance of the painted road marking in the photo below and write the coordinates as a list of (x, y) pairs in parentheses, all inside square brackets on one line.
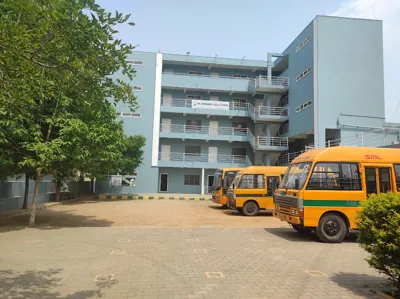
[(124, 240), (200, 251), (104, 277), (315, 273), (33, 241), (118, 252), (193, 240), (214, 275)]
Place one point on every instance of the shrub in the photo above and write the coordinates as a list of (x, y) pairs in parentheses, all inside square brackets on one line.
[(379, 226)]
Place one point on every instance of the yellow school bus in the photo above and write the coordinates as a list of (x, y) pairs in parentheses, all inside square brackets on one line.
[(323, 188), (253, 187), (222, 180)]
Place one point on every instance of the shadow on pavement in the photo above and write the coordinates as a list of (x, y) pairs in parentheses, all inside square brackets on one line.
[(215, 207), (42, 284), (49, 219), (236, 213), (362, 284), (291, 234)]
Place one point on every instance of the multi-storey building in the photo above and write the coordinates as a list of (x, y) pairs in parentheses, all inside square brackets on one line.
[(202, 113)]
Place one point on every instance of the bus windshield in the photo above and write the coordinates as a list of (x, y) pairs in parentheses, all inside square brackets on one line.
[(229, 176), (298, 171), (217, 184)]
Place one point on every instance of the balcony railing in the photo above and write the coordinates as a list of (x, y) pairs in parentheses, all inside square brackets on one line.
[(257, 141), (190, 129), (204, 158), (251, 84), (188, 103), (260, 111)]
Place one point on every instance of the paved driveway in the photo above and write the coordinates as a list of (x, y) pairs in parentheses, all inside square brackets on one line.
[(99, 259)]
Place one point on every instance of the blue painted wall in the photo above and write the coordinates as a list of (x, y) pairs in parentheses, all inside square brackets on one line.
[(145, 77), (176, 179), (301, 91), (350, 72)]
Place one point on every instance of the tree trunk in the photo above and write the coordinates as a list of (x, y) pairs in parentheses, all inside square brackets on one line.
[(58, 191), (35, 196), (26, 194), (92, 185)]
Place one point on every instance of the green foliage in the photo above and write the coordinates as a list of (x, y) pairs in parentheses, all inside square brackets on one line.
[(379, 225), (132, 154), (58, 87)]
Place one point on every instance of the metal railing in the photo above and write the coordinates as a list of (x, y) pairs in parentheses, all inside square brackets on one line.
[(373, 138), (191, 129), (259, 81), (268, 141), (204, 158), (262, 81), (187, 103)]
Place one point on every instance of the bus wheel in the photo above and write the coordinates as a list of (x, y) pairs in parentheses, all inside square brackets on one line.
[(331, 228), (302, 230), (250, 208)]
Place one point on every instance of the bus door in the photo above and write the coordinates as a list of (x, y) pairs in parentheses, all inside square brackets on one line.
[(378, 179)]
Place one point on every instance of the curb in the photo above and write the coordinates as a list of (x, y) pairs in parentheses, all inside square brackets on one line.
[(139, 197)]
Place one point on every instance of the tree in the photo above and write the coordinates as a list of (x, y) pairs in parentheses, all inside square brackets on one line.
[(379, 225), (57, 61), (132, 154)]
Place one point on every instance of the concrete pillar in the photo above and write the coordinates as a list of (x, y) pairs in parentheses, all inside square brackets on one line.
[(202, 181)]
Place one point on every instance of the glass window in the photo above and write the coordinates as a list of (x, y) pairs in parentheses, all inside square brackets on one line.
[(217, 180), (298, 171), (235, 181), (397, 172), (350, 177), (326, 176), (193, 125), (193, 180), (228, 178), (252, 181)]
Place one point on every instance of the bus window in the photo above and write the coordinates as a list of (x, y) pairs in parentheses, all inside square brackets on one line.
[(384, 180), (370, 177), (326, 176), (397, 171)]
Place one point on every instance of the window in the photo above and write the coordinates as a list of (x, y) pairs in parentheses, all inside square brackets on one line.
[(239, 128), (335, 176), (239, 152), (241, 76), (137, 88), (193, 180), (193, 97), (195, 73), (303, 106), (135, 62), (193, 125), (192, 150), (252, 181), (303, 43), (129, 114), (397, 173), (239, 103), (303, 74)]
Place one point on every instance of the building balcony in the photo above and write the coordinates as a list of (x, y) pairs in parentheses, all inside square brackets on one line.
[(264, 143), (271, 84), (211, 83), (184, 160), (204, 133), (221, 108), (229, 134)]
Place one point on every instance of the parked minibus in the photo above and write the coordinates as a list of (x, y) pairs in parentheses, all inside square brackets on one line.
[(253, 187), (223, 178), (323, 188)]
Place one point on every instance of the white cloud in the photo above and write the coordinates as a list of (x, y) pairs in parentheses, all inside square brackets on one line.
[(384, 10)]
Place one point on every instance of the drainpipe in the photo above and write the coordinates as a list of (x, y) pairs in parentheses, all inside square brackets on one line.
[(202, 181), (270, 64)]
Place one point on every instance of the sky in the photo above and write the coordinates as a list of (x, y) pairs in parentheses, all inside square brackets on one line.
[(251, 29)]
